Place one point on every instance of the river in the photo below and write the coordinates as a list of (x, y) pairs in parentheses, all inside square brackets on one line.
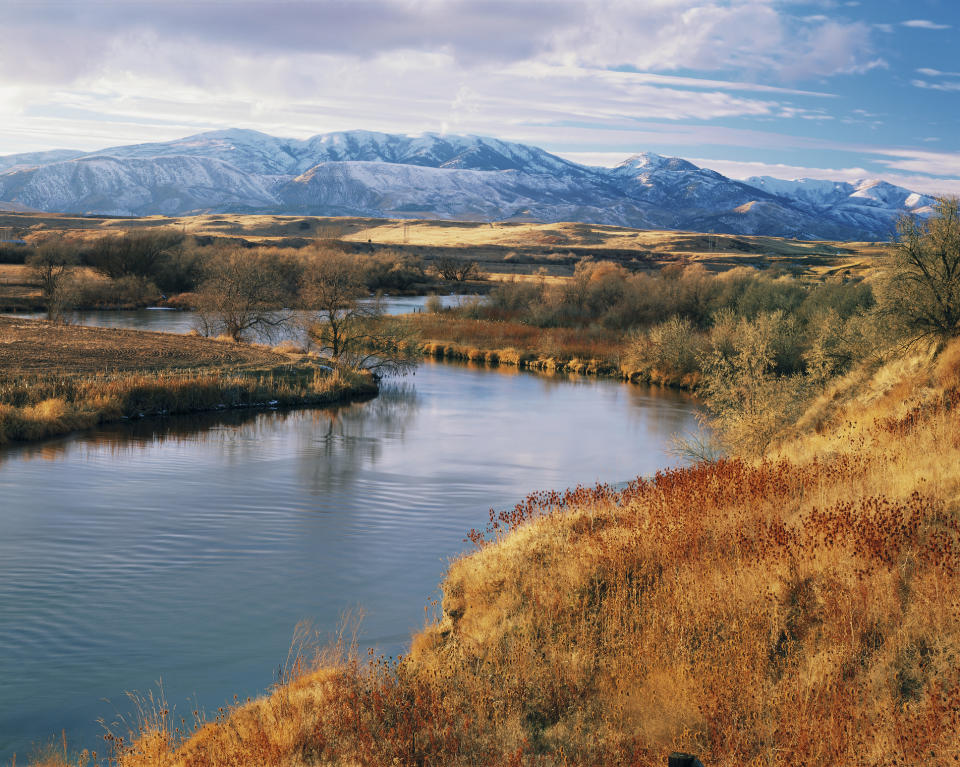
[(186, 549)]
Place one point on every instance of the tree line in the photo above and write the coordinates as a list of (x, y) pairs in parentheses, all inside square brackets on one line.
[(330, 295), (139, 267)]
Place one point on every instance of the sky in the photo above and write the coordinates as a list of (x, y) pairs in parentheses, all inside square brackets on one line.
[(837, 89)]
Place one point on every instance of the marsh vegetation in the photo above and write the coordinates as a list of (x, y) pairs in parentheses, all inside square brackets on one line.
[(58, 378)]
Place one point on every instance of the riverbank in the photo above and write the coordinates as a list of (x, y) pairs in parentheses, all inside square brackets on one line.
[(59, 378), (605, 627), (594, 351)]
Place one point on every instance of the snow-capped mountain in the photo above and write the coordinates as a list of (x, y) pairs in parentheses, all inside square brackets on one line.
[(866, 193), (447, 177)]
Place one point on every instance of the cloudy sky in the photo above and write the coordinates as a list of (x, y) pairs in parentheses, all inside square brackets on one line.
[(824, 88)]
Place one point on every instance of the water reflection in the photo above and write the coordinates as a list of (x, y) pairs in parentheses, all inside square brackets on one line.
[(340, 442)]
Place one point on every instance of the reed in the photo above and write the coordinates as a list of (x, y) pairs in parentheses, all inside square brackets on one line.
[(36, 406)]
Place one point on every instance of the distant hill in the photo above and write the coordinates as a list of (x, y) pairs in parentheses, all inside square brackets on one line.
[(362, 173)]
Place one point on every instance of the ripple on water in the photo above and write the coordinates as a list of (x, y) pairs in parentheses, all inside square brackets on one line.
[(187, 549)]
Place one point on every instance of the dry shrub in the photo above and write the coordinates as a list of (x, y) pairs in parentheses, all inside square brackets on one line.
[(530, 341), (288, 347)]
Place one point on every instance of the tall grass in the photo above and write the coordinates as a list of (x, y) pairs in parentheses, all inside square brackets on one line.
[(796, 610), (35, 406), (497, 342)]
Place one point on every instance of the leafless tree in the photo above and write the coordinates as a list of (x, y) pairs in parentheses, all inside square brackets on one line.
[(456, 269), (244, 293), (921, 292), (51, 263), (349, 327)]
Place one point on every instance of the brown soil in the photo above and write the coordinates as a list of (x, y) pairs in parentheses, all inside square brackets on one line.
[(30, 346)]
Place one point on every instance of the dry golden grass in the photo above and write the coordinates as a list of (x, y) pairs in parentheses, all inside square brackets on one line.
[(14, 274), (593, 352), (799, 610), (55, 378), (18, 290)]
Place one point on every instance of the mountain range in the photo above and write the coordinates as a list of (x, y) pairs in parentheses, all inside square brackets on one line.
[(362, 173)]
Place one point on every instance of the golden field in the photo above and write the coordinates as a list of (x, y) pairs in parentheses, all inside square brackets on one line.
[(500, 248)]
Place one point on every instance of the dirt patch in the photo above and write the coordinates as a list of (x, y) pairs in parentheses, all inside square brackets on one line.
[(31, 346)]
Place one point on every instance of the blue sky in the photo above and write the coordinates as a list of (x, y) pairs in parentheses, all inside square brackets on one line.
[(828, 89)]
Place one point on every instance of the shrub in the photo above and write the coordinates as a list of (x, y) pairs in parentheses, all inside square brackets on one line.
[(750, 404), (391, 272)]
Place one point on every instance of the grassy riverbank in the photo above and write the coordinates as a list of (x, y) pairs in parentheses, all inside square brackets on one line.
[(676, 327), (800, 609), (56, 378), (447, 336)]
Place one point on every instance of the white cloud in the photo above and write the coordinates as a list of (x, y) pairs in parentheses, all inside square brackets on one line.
[(936, 73), (834, 48), (924, 24), (655, 35), (743, 35), (935, 86), (921, 161), (158, 84)]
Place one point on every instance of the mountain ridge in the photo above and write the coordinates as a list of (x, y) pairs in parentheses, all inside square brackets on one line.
[(432, 175)]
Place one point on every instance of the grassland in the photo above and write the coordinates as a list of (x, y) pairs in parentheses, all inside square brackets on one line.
[(55, 379), (499, 248), (791, 610), (800, 609), (18, 290)]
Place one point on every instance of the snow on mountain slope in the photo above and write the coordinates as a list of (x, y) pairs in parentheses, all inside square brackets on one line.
[(675, 189), (379, 188), (248, 151), (255, 152), (441, 176), (831, 194), (34, 159), (133, 187)]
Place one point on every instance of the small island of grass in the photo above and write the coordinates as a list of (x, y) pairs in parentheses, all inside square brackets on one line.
[(58, 378)]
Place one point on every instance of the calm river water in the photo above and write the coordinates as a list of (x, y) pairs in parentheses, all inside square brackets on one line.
[(186, 549)]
